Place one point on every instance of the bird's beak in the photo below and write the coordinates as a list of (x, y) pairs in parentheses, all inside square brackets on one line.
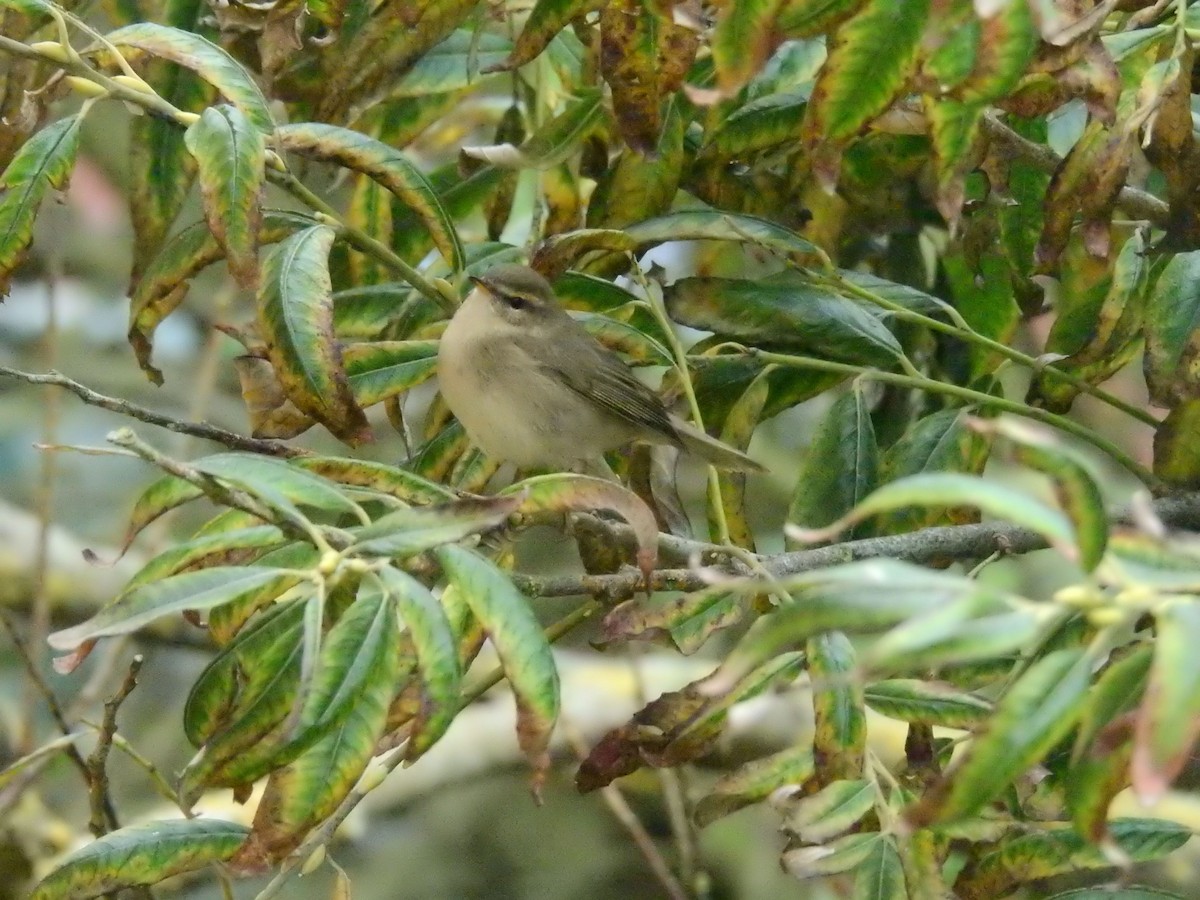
[(479, 283)]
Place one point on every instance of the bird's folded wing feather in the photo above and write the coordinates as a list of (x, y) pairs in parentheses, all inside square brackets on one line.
[(611, 385)]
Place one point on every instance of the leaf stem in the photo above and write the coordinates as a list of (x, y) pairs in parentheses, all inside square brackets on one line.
[(1001, 403), (958, 327)]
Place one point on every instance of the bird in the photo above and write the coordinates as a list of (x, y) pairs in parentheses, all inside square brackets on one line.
[(530, 385)]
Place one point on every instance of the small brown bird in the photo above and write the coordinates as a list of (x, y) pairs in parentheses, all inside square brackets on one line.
[(531, 386)]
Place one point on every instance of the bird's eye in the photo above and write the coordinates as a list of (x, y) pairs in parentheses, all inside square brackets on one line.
[(515, 302)]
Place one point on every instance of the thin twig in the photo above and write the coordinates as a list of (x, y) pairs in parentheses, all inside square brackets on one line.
[(943, 542), (624, 814), (97, 761), (56, 711), (1137, 203), (208, 432)]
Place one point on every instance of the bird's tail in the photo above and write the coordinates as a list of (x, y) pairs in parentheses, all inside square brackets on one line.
[(713, 451)]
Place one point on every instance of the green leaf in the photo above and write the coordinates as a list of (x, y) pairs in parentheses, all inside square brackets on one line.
[(522, 647), (295, 314), (141, 855), (224, 547), (744, 36), (551, 144), (192, 590), (351, 654), (260, 660), (842, 466), (1172, 329), (453, 64), (806, 18), (436, 647), (816, 818), (754, 783), (859, 597), (43, 163), (381, 369), (926, 703), (1130, 892), (1052, 850), (309, 789), (837, 856), (839, 716), (1168, 721), (1176, 448), (881, 875), (164, 284), (783, 315), (389, 480), (952, 489), (870, 60), (230, 153), (941, 442), (1032, 716), (410, 531), (159, 498), (769, 121), (639, 186), (546, 19), (206, 59), (44, 752), (276, 482), (1074, 485), (383, 164)]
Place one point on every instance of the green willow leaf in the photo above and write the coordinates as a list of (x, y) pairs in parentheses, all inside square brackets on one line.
[(754, 783), (546, 19), (43, 163), (744, 36), (436, 646), (258, 660), (295, 314), (164, 283), (375, 476), (222, 548), (385, 165), (926, 703), (351, 653), (833, 810), (1032, 716), (141, 855), (1172, 329), (276, 482), (410, 531), (870, 60), (522, 647), (203, 57), (382, 369), (881, 875), (1168, 722), (842, 467), (230, 152), (806, 18), (191, 590), (454, 64), (839, 713), (554, 142), (761, 124), (162, 496)]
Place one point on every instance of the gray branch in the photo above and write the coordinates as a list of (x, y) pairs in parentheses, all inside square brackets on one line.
[(956, 542)]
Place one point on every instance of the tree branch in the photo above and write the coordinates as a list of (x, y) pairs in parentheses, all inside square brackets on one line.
[(208, 432), (1138, 203), (958, 542)]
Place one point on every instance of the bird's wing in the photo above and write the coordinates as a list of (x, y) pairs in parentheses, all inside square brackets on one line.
[(610, 384)]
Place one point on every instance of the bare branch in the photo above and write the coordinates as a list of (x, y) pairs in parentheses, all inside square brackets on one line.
[(97, 761), (204, 430), (960, 542)]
